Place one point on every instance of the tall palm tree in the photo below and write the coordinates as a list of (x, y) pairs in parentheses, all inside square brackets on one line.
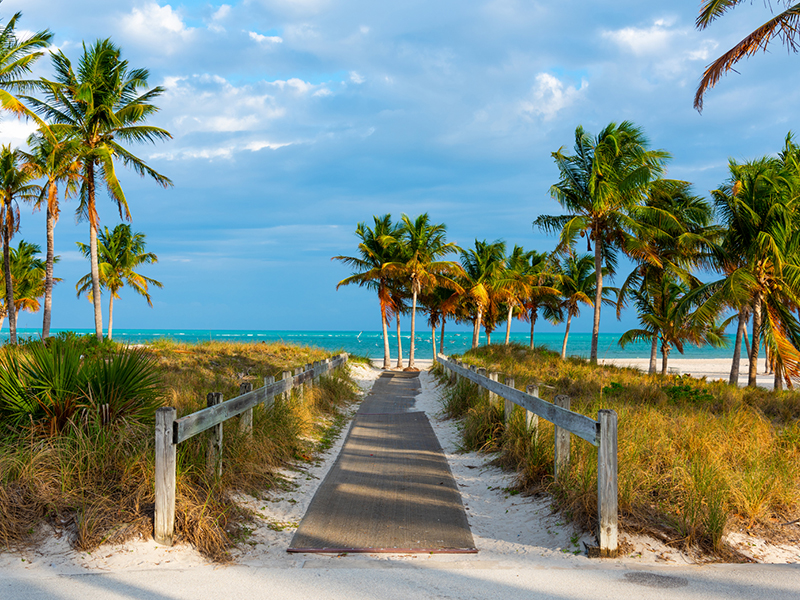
[(481, 266), (375, 250), (606, 177), (15, 185), (783, 26), (57, 161), (16, 59), (120, 252), (439, 303), (542, 295), (102, 104), (577, 285), (422, 246), (28, 279)]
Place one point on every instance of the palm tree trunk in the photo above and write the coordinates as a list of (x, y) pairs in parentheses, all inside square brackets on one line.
[(433, 342), (737, 348), (413, 324), (653, 356), (753, 372), (98, 309), (387, 359), (488, 338), (476, 332), (399, 343), (566, 335), (664, 357), (110, 314), (778, 381), (767, 365), (48, 277), (441, 339), (508, 323), (533, 324), (12, 317), (598, 297)]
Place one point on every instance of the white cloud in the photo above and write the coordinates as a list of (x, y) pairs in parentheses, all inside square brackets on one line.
[(549, 96), (262, 39), (260, 145), (222, 12), (356, 78), (15, 131), (654, 39), (157, 24)]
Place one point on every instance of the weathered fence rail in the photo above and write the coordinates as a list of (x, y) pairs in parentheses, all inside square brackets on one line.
[(601, 433), (171, 431)]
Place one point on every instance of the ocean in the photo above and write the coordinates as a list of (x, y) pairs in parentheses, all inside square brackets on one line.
[(370, 343)]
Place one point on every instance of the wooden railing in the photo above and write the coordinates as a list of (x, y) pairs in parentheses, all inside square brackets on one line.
[(171, 431), (601, 433)]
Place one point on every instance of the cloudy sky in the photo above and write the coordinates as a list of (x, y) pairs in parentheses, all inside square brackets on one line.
[(295, 119)]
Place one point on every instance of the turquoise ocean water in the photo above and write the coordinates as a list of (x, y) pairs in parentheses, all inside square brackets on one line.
[(370, 343)]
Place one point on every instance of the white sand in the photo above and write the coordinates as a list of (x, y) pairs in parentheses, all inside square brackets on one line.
[(511, 531), (709, 368)]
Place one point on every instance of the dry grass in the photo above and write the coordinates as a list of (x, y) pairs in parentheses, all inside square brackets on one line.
[(98, 486), (696, 458)]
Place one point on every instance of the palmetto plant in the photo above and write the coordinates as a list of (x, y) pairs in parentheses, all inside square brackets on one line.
[(377, 249), (599, 186), (49, 385), (119, 253), (102, 104), (15, 185), (783, 26)]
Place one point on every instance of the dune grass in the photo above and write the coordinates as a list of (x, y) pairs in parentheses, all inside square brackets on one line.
[(96, 484), (696, 458)]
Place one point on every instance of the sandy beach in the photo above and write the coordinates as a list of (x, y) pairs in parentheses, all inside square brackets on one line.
[(709, 368), (513, 533)]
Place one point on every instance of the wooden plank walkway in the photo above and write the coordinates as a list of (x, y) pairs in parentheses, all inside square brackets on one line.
[(390, 489)]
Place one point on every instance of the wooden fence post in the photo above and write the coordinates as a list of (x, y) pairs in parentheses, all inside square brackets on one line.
[(453, 375), (494, 377), (300, 396), (532, 420), (164, 522), (214, 454), (509, 405), (309, 385), (562, 439), (246, 419), (288, 393), (607, 499)]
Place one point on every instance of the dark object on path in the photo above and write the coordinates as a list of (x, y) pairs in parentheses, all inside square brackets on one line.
[(391, 489)]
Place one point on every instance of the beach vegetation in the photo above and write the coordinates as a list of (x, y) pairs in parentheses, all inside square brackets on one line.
[(28, 276), (697, 459)]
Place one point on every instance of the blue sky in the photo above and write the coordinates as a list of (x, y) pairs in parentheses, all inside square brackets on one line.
[(294, 120)]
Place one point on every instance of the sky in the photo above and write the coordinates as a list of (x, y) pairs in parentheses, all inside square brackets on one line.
[(293, 120)]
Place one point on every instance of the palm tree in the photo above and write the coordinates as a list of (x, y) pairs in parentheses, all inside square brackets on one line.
[(15, 185), (439, 303), (600, 184), (422, 245), (542, 295), (57, 162), (375, 253), (28, 278), (758, 209), (668, 311), (102, 104), (784, 26), (120, 252), (576, 284), (16, 59), (481, 267)]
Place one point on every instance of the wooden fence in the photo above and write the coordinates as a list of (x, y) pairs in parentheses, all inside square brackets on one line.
[(601, 433), (171, 431)]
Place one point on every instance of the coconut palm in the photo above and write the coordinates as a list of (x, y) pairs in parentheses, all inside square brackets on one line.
[(541, 295), (783, 26), (28, 278), (481, 266), (600, 184), (576, 284), (376, 250), (758, 207), (57, 161), (439, 303), (16, 59), (421, 245), (120, 252), (15, 185), (102, 104)]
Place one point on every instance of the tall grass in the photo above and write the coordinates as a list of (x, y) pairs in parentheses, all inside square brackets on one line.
[(696, 458), (95, 484)]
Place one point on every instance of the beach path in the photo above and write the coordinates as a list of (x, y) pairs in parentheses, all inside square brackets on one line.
[(391, 489)]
